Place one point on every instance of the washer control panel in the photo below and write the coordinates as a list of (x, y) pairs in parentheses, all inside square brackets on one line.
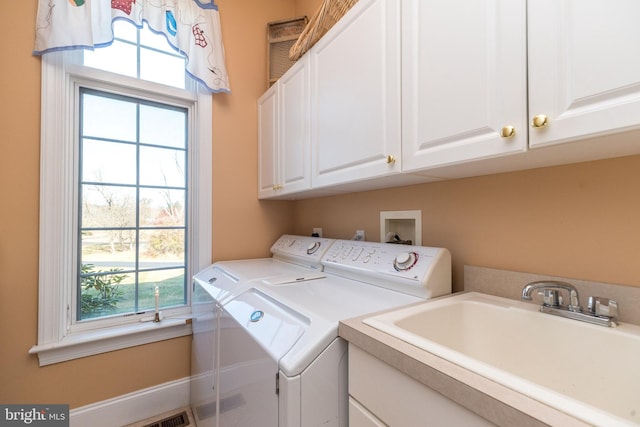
[(412, 269)]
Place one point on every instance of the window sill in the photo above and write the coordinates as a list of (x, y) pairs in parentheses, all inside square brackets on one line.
[(89, 343)]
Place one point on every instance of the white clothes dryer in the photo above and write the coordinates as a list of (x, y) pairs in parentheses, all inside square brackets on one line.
[(294, 259)]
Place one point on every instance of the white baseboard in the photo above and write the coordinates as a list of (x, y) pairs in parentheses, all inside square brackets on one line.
[(132, 407)]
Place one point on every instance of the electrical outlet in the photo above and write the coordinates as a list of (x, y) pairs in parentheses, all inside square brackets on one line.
[(317, 232), (359, 235)]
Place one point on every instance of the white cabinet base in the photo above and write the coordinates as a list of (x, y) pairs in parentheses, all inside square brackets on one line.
[(393, 398)]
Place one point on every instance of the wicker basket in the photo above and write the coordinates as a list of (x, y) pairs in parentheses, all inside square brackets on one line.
[(327, 15)]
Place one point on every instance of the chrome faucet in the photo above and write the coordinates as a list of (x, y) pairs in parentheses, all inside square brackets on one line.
[(601, 311), (549, 290)]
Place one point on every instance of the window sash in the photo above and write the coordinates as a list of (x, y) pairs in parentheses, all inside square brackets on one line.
[(137, 185)]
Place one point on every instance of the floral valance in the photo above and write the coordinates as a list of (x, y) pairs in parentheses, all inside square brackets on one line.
[(191, 27)]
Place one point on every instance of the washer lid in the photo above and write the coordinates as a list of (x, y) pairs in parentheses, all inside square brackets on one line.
[(274, 326), (287, 279), (326, 302)]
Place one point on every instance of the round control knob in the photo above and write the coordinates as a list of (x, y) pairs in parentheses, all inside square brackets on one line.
[(313, 248), (405, 260)]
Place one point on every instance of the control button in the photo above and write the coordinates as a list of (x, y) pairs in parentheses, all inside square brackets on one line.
[(313, 248), (336, 252), (366, 259), (356, 255), (405, 260), (346, 252)]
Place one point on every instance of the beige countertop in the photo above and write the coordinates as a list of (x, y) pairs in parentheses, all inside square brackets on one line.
[(490, 400)]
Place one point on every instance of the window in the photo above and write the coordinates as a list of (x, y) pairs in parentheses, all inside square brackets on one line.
[(125, 195), (132, 202)]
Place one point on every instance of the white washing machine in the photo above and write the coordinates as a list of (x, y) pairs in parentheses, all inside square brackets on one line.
[(277, 357)]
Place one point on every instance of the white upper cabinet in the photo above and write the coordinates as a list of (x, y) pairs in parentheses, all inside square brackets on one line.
[(267, 143), (584, 68), (433, 89), (355, 93), (295, 138), (283, 138), (464, 87)]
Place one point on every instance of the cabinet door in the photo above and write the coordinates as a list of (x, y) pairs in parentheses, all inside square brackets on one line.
[(584, 68), (463, 80), (294, 136), (355, 92), (267, 143)]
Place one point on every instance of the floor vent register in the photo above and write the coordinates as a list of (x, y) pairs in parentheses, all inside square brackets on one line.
[(180, 418)]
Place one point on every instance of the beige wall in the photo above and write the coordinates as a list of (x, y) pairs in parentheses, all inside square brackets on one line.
[(580, 221), (307, 7), (242, 226), (238, 218)]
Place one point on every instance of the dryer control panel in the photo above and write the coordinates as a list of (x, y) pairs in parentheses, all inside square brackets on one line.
[(416, 270), (306, 251)]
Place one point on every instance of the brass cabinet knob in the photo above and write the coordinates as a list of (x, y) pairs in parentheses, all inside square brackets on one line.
[(277, 187), (391, 159), (507, 131), (540, 121)]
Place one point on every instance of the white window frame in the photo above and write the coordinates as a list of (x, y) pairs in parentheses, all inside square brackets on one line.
[(60, 338)]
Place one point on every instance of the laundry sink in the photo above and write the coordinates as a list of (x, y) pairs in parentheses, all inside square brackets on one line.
[(588, 371)]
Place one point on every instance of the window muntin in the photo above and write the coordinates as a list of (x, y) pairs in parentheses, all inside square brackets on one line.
[(140, 53), (132, 204)]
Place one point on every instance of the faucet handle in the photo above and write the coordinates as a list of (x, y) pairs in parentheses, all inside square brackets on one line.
[(602, 307), (551, 297)]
